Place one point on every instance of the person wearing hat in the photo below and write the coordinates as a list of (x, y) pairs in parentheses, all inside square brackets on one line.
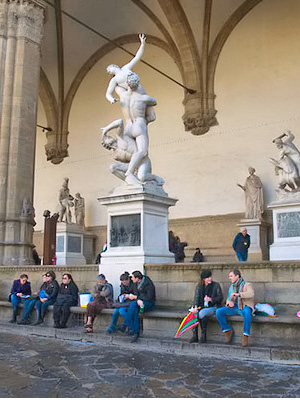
[(103, 298), (208, 297)]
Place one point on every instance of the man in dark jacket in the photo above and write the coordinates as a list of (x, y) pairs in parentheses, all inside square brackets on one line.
[(241, 245), (121, 306), (208, 297), (141, 302), (20, 291)]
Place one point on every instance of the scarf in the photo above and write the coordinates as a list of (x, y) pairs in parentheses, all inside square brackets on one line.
[(237, 287)]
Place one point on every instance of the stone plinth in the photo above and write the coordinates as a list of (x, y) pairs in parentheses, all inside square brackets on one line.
[(69, 244), (286, 229), (258, 231), (137, 230)]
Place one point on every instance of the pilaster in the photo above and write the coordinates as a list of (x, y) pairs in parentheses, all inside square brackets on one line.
[(21, 32)]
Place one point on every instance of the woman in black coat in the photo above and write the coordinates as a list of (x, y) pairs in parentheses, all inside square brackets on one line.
[(208, 297), (67, 297)]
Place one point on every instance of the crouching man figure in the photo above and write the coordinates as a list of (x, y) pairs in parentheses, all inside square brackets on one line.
[(240, 301)]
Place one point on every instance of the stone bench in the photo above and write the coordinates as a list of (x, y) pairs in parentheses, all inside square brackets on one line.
[(282, 330)]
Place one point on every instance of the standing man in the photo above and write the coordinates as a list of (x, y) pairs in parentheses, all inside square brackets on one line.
[(241, 245), (240, 301), (141, 302)]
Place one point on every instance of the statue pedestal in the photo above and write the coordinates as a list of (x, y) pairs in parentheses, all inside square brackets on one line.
[(286, 230), (257, 229), (69, 244), (137, 230)]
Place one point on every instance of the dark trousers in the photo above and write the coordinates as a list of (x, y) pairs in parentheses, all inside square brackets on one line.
[(95, 307), (61, 313)]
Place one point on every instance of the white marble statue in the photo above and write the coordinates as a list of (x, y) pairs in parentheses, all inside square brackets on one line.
[(65, 203), (138, 112), (287, 167), (124, 146), (254, 199), (79, 205)]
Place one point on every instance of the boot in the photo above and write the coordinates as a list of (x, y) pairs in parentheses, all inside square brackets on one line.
[(245, 341), (14, 316), (229, 336), (203, 324), (194, 338)]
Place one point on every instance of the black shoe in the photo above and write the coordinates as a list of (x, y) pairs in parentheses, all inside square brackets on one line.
[(121, 328), (134, 337), (38, 322), (63, 326), (56, 325), (13, 321), (109, 332), (24, 322)]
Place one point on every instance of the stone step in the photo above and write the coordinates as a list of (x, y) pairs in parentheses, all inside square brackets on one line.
[(180, 346)]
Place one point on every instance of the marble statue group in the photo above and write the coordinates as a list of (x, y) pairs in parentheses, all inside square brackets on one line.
[(67, 202), (130, 143)]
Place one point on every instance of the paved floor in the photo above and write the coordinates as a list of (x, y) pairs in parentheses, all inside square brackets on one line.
[(43, 367)]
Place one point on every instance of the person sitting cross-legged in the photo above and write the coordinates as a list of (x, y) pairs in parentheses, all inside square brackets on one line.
[(208, 296), (240, 301), (121, 306), (142, 301), (103, 298)]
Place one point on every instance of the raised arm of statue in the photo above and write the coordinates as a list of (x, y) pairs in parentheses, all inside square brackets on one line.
[(121, 74), (139, 53), (241, 186)]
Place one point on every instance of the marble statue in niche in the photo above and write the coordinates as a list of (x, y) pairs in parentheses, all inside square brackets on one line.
[(254, 198), (65, 203)]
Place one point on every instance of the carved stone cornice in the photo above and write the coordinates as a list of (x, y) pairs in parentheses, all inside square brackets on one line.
[(56, 154)]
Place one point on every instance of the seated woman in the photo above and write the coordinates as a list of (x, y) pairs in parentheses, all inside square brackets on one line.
[(29, 304), (47, 296), (20, 291), (67, 296), (103, 298), (126, 287), (208, 296)]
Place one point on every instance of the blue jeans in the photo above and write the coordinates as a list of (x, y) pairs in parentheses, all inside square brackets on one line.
[(206, 312), (16, 300), (242, 256), (28, 307), (132, 317), (246, 313), (41, 308), (122, 311)]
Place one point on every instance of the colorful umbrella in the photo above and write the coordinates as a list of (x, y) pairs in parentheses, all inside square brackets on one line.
[(188, 322)]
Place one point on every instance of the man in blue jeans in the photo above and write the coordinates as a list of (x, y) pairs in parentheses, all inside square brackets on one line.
[(240, 301), (141, 302), (241, 245)]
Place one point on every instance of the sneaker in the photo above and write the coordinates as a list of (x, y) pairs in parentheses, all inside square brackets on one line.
[(134, 337), (24, 322)]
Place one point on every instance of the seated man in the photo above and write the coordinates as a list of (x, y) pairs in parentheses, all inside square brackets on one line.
[(198, 256), (103, 298), (208, 296), (240, 301), (20, 291), (141, 302), (126, 287)]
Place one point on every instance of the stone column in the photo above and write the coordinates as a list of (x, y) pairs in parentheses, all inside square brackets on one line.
[(21, 29)]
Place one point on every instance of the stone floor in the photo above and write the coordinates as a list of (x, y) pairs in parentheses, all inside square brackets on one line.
[(45, 367)]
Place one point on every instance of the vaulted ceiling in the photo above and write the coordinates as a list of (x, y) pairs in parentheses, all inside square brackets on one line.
[(78, 33)]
